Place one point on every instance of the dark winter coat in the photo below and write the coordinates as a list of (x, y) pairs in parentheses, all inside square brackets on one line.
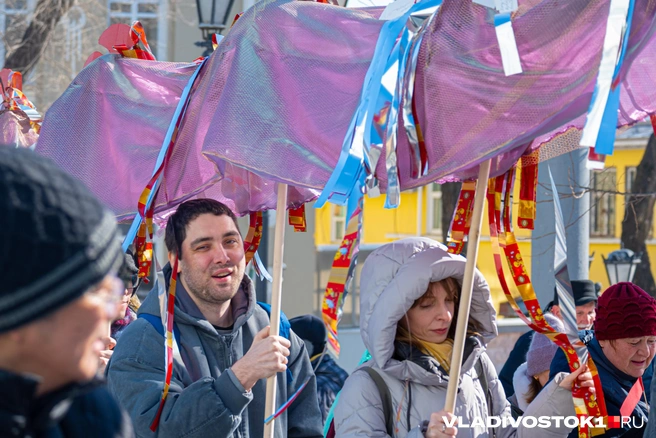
[(205, 396), (330, 379), (615, 383), (515, 359), (76, 411)]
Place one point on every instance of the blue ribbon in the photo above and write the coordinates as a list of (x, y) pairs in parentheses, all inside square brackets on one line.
[(605, 137), (358, 158), (179, 112), (605, 143)]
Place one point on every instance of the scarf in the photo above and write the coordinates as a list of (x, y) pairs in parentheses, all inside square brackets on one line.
[(440, 352)]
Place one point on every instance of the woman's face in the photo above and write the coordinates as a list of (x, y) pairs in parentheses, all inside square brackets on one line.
[(431, 318), (630, 355), (123, 305)]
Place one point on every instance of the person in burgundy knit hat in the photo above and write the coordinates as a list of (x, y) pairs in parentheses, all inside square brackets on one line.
[(626, 327), (622, 345)]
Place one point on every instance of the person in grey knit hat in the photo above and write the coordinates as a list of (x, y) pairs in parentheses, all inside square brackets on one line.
[(60, 252), (532, 375)]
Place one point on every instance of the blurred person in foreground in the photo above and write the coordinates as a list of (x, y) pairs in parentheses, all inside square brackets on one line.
[(60, 251)]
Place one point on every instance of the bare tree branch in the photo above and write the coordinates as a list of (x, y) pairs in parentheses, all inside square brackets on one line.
[(47, 14), (638, 219)]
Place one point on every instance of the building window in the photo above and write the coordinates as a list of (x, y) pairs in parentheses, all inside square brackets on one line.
[(602, 203), (151, 14), (15, 15), (434, 220), (629, 177), (337, 223)]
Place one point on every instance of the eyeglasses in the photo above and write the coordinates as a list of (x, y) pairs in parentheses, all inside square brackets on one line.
[(110, 290), (136, 282)]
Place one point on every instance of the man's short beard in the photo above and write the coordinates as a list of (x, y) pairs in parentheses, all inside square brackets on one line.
[(205, 295)]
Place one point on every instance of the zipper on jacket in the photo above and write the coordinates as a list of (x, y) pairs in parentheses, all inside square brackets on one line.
[(226, 344)]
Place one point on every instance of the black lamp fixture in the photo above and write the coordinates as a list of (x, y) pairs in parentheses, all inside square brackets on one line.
[(213, 16), (621, 265)]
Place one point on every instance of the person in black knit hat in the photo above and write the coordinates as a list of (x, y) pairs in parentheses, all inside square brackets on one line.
[(59, 253), (330, 376)]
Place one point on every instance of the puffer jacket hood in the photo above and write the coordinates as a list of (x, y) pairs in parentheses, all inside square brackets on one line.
[(395, 275)]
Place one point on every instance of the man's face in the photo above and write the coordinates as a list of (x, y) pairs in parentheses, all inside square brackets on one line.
[(65, 347), (213, 263), (585, 315)]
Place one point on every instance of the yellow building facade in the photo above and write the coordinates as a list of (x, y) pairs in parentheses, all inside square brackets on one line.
[(420, 214)]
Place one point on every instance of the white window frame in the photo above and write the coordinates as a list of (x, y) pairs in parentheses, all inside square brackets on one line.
[(162, 21), (337, 222), (433, 196), (31, 4)]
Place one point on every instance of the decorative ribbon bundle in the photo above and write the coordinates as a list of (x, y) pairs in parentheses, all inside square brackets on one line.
[(13, 98), (341, 277), (499, 198), (388, 90), (140, 48)]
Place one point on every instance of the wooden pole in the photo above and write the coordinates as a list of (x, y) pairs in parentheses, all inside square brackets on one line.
[(276, 296), (467, 286)]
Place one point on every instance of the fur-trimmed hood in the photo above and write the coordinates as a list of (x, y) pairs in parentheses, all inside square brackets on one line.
[(397, 274)]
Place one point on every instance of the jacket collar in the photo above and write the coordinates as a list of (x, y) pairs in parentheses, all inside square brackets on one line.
[(20, 400), (409, 363)]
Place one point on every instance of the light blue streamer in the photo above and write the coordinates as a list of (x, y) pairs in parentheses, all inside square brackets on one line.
[(605, 139), (356, 155), (260, 269), (180, 109), (605, 143)]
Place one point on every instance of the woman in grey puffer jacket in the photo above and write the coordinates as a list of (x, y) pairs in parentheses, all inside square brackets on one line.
[(408, 302)]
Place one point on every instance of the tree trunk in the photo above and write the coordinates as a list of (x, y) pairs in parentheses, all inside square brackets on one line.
[(47, 14), (639, 216), (450, 194)]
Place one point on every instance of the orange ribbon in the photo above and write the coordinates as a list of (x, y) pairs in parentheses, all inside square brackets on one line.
[(170, 306), (297, 218), (254, 235), (499, 190), (528, 191), (462, 218), (140, 48)]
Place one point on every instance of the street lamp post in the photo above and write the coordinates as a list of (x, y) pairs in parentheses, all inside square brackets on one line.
[(621, 265), (213, 17)]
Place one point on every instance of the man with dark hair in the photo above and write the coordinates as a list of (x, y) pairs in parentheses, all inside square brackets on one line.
[(585, 300), (225, 350), (59, 293)]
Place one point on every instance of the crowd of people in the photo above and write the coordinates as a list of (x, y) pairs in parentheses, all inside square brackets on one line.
[(81, 356)]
